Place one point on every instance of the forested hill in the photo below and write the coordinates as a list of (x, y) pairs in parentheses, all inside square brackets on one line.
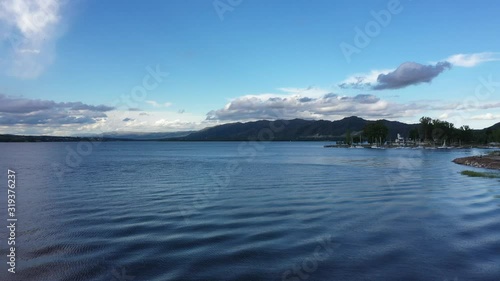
[(296, 129), (292, 130)]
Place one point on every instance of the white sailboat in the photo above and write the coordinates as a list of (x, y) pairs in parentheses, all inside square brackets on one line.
[(443, 146), (377, 146)]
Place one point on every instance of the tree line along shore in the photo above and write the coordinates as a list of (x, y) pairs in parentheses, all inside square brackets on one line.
[(429, 133)]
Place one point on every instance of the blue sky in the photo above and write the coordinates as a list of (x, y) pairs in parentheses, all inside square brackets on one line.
[(78, 67)]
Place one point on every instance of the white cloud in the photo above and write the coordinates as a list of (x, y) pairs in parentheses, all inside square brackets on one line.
[(471, 60), (363, 80), (30, 28), (135, 121), (326, 106), (310, 91), (487, 116), (29, 51), (158, 104), (444, 116), (176, 124), (478, 105)]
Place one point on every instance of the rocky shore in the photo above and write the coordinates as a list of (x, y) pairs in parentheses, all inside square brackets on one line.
[(490, 161)]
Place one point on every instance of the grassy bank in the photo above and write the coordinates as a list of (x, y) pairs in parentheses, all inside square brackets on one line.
[(480, 174)]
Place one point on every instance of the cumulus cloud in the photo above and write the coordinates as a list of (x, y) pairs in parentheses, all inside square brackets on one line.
[(326, 106), (23, 111), (128, 119), (29, 29), (471, 60)]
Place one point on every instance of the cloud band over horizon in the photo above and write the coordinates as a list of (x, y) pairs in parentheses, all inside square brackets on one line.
[(22, 111)]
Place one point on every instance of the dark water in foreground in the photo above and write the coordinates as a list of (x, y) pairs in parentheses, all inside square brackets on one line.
[(218, 211)]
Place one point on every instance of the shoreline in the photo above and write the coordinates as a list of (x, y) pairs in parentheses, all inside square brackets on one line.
[(410, 146), (490, 161)]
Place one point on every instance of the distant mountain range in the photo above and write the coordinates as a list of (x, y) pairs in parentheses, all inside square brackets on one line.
[(111, 136), (146, 136), (282, 130), (18, 138), (294, 130), (493, 128)]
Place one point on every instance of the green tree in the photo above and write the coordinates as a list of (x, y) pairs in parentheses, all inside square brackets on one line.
[(466, 134), (426, 128), (376, 131), (495, 136), (414, 135), (489, 136), (348, 137), (442, 130)]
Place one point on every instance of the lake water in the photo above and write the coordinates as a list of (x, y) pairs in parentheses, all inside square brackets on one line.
[(233, 211)]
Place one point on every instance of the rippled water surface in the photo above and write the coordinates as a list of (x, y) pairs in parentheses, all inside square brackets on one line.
[(232, 211)]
